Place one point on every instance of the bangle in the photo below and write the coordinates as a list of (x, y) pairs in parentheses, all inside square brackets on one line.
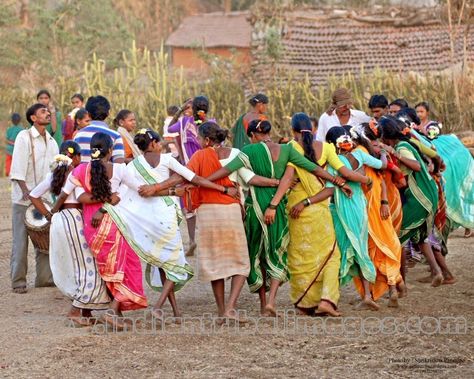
[(384, 202), (307, 202), (172, 191), (273, 207), (342, 184), (102, 210)]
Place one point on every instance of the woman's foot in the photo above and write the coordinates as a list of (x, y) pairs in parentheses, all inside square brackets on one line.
[(327, 308), (467, 233), (190, 251), (437, 280), (304, 311), (111, 318), (269, 311), (426, 279), (368, 304), (450, 280), (20, 290), (158, 314), (232, 314), (393, 299), (402, 290)]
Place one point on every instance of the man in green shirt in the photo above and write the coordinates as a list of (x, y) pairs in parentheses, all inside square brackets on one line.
[(11, 135)]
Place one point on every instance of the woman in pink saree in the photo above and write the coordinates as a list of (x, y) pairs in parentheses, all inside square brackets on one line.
[(96, 184)]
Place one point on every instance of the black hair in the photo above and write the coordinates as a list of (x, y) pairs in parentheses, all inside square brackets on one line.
[(200, 103), (70, 149), (16, 118), (78, 96), (369, 133), (43, 92), (100, 184), (172, 110), (402, 103), (301, 123), (98, 107), (32, 110), (378, 101), (334, 133), (409, 114), (213, 131), (259, 126), (143, 139), (423, 104), (258, 98), (392, 127), (122, 115), (80, 114)]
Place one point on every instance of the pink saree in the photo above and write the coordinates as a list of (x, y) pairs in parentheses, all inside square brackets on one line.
[(119, 266)]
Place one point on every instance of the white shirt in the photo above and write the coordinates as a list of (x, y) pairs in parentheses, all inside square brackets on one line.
[(326, 122), (23, 167)]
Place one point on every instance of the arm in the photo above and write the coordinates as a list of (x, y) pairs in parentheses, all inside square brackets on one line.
[(19, 166), (232, 166), (37, 192), (261, 181), (412, 164), (148, 190), (320, 196), (285, 183), (384, 208)]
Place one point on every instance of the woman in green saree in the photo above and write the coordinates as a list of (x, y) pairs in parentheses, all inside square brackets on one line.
[(420, 197), (267, 222)]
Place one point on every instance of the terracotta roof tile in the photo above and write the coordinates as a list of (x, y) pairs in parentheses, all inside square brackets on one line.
[(213, 30)]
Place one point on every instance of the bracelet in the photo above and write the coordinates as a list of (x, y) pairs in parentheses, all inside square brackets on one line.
[(172, 191), (102, 210), (342, 184), (307, 202), (273, 207), (384, 202)]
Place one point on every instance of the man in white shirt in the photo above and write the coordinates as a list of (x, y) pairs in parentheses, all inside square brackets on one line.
[(340, 114), (33, 152)]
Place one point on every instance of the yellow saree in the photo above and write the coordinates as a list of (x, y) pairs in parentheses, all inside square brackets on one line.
[(312, 240)]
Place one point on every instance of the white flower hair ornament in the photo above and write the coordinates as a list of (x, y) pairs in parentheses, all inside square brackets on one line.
[(95, 153), (433, 130), (60, 160), (344, 142)]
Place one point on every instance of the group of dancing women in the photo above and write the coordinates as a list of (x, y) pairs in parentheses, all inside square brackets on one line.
[(357, 206)]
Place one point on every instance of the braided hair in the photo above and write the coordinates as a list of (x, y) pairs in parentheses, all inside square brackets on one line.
[(69, 149), (101, 189), (301, 123)]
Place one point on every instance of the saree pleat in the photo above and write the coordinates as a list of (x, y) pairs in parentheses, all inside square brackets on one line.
[(383, 244), (421, 201), (312, 240), (118, 264), (351, 225)]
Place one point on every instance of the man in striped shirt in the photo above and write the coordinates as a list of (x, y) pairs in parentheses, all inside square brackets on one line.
[(99, 108)]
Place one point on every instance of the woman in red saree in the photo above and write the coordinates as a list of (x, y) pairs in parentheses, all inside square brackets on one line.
[(119, 266)]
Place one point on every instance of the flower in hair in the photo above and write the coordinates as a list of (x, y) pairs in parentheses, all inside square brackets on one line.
[(406, 130), (344, 142), (70, 150), (373, 126), (201, 114), (432, 131), (95, 154), (354, 133), (60, 160), (142, 131), (258, 127)]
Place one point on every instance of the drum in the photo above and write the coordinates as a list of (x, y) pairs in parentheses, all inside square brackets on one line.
[(37, 227)]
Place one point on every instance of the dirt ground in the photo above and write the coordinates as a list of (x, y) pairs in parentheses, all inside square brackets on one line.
[(418, 341)]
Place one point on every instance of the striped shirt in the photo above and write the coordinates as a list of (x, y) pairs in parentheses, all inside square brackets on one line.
[(84, 136)]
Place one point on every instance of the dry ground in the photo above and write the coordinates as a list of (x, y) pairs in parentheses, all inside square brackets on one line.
[(36, 341)]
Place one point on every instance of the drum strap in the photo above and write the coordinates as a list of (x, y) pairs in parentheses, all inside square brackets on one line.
[(33, 156)]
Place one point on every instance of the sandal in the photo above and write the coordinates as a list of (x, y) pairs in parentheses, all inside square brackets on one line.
[(20, 290)]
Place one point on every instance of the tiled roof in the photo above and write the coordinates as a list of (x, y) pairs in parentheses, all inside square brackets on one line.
[(213, 30), (323, 47)]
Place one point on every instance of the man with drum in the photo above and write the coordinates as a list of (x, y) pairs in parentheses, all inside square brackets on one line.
[(33, 152)]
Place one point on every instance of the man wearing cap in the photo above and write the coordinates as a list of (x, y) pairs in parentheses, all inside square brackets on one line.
[(339, 114)]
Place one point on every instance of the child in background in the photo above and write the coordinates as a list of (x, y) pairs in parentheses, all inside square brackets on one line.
[(314, 125), (81, 120), (169, 138), (77, 102), (11, 134)]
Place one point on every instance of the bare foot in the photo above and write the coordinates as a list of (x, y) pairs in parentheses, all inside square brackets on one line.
[(368, 304), (269, 311), (304, 311), (427, 279), (80, 321), (402, 290), (190, 251), (450, 280), (437, 280), (467, 233), (114, 320), (327, 308), (158, 315), (393, 300), (232, 314)]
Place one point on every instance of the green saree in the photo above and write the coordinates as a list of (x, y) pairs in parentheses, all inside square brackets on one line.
[(239, 139), (420, 201), (267, 243)]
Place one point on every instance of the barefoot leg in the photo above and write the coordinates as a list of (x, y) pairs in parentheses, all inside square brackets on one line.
[(218, 289), (271, 305), (403, 264), (327, 307), (368, 301), (191, 223), (448, 277), (262, 292), (435, 269), (393, 297), (236, 286)]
